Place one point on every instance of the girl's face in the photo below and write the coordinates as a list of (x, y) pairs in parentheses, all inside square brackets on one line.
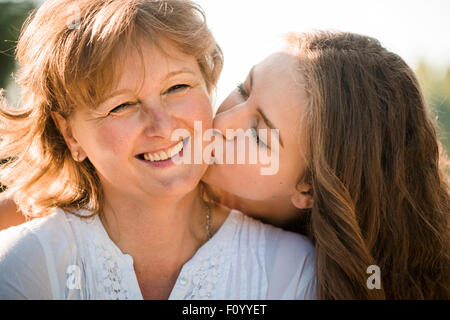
[(270, 98), (128, 135)]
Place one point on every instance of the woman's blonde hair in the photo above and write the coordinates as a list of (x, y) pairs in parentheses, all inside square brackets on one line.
[(380, 192), (69, 54)]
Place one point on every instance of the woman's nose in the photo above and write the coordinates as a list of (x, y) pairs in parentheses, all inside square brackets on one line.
[(159, 122)]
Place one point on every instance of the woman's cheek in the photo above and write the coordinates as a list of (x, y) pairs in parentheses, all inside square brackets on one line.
[(195, 106), (114, 136)]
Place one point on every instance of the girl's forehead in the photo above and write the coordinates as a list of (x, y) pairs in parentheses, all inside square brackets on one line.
[(277, 90), (278, 74)]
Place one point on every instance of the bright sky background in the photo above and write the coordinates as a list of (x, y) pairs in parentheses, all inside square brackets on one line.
[(249, 30)]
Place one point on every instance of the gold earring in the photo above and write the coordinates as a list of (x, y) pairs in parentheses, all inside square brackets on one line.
[(75, 156)]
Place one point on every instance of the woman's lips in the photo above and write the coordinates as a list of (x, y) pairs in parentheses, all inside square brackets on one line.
[(164, 158)]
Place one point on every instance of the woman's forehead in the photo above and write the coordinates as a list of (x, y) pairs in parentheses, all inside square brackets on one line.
[(152, 63)]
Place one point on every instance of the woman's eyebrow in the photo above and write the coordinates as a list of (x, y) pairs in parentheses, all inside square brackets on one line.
[(269, 124), (177, 72), (113, 95), (167, 76), (117, 93)]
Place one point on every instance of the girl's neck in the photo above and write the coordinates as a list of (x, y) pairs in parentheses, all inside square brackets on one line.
[(279, 212)]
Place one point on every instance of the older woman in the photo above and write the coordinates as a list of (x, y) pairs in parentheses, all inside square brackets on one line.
[(104, 86)]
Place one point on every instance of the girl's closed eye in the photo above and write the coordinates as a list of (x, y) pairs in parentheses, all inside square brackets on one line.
[(242, 91), (254, 132)]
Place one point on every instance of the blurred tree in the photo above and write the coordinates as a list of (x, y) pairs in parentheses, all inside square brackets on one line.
[(436, 88), (12, 16)]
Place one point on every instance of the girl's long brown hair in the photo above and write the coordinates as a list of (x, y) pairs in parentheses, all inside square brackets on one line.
[(380, 193)]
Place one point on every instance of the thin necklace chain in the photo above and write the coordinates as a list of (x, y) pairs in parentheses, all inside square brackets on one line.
[(208, 221)]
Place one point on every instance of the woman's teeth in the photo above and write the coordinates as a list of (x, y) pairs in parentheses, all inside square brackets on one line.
[(164, 155)]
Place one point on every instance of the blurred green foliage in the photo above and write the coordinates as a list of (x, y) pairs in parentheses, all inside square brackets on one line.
[(436, 87), (12, 16)]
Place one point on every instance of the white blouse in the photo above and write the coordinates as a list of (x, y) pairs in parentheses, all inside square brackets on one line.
[(62, 256)]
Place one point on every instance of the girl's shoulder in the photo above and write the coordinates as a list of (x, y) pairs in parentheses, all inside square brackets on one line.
[(272, 237), (288, 257)]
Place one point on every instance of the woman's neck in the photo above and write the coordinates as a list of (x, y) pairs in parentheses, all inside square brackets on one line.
[(156, 224), (161, 234)]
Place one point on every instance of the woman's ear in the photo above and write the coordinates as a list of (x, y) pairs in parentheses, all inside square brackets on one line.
[(63, 126), (303, 196)]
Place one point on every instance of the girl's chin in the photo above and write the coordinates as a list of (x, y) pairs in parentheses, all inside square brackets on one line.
[(208, 176)]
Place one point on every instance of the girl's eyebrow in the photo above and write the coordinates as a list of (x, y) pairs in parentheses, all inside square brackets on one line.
[(263, 115), (250, 75), (269, 124)]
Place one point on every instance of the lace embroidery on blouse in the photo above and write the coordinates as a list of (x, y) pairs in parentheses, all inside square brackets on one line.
[(111, 279), (115, 272), (199, 277), (202, 276)]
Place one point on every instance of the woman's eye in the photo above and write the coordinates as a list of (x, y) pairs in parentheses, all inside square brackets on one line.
[(242, 91), (254, 132), (122, 107), (177, 88)]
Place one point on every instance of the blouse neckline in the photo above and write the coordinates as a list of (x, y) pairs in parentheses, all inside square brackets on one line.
[(213, 246)]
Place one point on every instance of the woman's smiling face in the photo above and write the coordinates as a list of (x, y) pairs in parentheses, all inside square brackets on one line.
[(137, 120), (270, 98)]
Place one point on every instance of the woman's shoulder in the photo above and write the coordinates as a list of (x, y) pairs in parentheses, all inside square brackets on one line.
[(36, 230), (59, 234), (30, 254)]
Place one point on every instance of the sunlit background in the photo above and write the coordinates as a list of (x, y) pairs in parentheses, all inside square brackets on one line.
[(249, 30)]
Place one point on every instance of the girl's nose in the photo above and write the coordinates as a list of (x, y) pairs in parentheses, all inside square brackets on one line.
[(231, 116)]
